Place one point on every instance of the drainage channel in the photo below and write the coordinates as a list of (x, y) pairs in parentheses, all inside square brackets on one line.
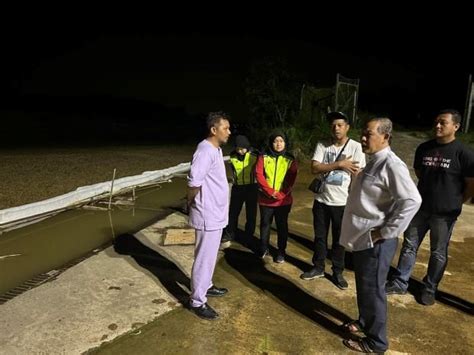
[(38, 253)]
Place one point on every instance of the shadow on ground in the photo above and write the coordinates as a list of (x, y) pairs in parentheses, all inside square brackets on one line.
[(170, 276), (253, 270)]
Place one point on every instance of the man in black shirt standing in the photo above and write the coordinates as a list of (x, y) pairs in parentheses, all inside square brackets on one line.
[(445, 171)]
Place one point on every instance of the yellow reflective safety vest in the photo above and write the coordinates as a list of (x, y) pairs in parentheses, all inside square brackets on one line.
[(244, 169), (275, 169)]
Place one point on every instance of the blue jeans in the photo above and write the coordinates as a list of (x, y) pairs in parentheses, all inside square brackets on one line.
[(441, 228), (371, 269)]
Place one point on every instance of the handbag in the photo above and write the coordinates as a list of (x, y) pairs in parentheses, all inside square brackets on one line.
[(319, 182)]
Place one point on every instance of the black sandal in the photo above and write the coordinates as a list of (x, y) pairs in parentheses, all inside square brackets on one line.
[(360, 346), (352, 327)]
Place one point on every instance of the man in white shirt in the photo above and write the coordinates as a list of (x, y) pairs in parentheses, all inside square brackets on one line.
[(337, 160), (382, 201)]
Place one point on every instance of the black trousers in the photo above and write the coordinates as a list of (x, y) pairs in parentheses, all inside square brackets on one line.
[(243, 194), (281, 218), (323, 215), (371, 268)]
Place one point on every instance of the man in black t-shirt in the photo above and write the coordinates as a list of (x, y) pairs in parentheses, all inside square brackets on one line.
[(445, 171)]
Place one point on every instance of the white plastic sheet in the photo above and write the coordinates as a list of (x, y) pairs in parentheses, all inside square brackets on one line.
[(85, 194)]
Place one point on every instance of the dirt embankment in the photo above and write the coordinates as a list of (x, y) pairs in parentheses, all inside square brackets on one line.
[(33, 175)]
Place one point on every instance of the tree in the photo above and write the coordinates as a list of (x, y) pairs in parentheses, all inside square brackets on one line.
[(272, 92)]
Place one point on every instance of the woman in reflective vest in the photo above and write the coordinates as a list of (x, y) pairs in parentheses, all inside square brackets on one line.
[(244, 190), (275, 171)]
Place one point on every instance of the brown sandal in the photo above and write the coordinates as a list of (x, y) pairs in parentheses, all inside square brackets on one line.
[(360, 346), (352, 327)]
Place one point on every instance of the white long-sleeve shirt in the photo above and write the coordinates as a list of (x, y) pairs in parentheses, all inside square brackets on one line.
[(383, 196)]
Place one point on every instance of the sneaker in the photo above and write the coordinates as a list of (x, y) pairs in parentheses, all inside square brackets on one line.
[(280, 258), (314, 273), (216, 291), (391, 288), (224, 245), (248, 243), (204, 312), (427, 298), (340, 281), (264, 254)]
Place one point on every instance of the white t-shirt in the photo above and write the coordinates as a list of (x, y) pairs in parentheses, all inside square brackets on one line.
[(337, 184)]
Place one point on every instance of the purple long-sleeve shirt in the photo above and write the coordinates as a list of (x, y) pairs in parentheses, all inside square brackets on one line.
[(211, 205)]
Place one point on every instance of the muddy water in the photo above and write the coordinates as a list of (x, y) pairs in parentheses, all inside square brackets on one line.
[(54, 242)]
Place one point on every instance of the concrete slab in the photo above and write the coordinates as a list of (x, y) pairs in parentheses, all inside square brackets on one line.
[(95, 301), (176, 236)]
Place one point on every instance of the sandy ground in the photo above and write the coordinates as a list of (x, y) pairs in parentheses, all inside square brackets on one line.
[(36, 174)]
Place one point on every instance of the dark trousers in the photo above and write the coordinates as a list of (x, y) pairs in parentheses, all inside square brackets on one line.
[(243, 194), (323, 215), (441, 229), (371, 268), (281, 218)]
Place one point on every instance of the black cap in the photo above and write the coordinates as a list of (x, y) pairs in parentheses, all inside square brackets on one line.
[(242, 142), (337, 115)]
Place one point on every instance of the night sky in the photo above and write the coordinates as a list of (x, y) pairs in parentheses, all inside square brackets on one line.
[(408, 67)]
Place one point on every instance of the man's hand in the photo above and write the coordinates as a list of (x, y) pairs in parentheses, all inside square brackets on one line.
[(348, 165), (375, 235), (192, 192), (468, 189)]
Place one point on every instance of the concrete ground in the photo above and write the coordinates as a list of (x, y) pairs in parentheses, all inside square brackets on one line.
[(98, 299), (128, 299)]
